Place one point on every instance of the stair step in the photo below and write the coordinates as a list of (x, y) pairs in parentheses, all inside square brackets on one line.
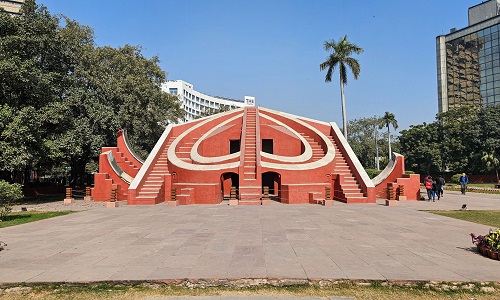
[(145, 197), (249, 202), (351, 190), (353, 195)]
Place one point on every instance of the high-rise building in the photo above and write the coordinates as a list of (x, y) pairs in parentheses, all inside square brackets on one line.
[(468, 60), (11, 6), (195, 103)]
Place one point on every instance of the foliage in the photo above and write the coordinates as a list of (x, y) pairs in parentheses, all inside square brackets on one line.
[(479, 240), (361, 138), (421, 148), (490, 241), (62, 98), (8, 194), (491, 161), (493, 239), (409, 172), (372, 173), (340, 56), (457, 133), (456, 178), (455, 142)]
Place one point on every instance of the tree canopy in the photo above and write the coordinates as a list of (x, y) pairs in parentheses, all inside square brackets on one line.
[(457, 141), (363, 136), (62, 97)]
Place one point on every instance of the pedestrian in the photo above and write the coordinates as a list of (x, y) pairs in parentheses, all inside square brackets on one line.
[(439, 186), (464, 180), (428, 186), (435, 191)]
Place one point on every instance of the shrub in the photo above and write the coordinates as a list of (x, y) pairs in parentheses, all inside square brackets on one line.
[(456, 178), (491, 241), (409, 172), (372, 172), (8, 194)]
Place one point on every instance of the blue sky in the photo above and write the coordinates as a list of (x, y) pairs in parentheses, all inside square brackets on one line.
[(272, 49)]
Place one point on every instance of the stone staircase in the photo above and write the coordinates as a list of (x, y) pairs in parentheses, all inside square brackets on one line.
[(350, 189), (250, 190), (184, 151), (126, 165), (153, 188), (317, 151)]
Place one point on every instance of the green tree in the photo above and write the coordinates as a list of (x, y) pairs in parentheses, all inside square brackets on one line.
[(491, 161), (362, 136), (113, 88), (62, 98), (386, 121), (34, 75), (340, 56), (458, 139), (8, 194), (487, 136), (420, 147)]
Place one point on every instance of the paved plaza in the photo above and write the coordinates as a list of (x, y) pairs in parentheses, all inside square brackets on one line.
[(356, 241)]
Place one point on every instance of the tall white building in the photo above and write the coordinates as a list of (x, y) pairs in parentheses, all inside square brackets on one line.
[(194, 102), (11, 7)]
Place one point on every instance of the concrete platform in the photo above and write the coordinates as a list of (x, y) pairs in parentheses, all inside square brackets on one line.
[(161, 242)]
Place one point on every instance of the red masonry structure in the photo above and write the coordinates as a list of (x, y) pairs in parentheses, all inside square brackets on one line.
[(243, 150)]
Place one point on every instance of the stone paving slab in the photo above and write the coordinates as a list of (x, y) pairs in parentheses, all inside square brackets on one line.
[(230, 242)]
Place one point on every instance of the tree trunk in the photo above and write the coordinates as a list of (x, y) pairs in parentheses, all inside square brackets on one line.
[(344, 118), (376, 149), (389, 139)]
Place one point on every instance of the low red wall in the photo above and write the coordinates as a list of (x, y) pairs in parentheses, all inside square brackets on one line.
[(411, 182)]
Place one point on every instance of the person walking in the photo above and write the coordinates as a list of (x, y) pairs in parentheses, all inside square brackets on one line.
[(434, 191), (439, 186), (428, 186), (464, 180)]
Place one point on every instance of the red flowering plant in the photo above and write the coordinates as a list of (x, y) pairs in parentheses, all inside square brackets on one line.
[(480, 241)]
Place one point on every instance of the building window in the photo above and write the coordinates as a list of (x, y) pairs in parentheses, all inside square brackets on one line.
[(267, 146), (173, 91), (234, 146)]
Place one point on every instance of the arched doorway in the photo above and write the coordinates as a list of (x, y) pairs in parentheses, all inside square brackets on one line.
[(273, 181), (228, 180)]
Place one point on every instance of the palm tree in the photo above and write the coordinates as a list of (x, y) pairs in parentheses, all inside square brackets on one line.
[(340, 56), (491, 161), (387, 120)]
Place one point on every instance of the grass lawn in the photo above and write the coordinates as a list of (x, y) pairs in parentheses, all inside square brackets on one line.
[(17, 218), (373, 290), (485, 217), (485, 185)]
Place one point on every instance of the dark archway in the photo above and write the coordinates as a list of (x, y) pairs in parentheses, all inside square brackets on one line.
[(228, 180), (273, 181)]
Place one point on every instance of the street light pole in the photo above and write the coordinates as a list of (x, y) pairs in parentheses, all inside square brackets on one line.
[(377, 160)]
